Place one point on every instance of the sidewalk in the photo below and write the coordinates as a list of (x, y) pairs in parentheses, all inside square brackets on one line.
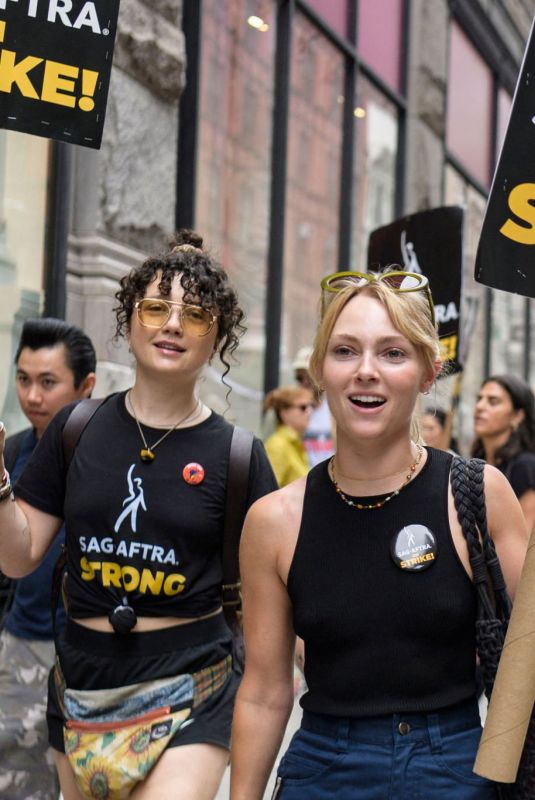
[(293, 724)]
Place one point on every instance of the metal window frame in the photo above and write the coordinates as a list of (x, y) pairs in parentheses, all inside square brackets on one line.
[(57, 228), (188, 142)]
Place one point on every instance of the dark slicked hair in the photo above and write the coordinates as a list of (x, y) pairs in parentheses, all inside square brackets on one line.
[(80, 355)]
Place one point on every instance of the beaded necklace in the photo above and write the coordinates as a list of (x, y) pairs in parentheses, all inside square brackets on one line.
[(380, 503)]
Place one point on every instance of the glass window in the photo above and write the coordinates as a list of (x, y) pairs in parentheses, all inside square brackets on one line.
[(505, 102), (508, 310), (469, 115), (459, 192), (233, 175), (380, 26), (375, 166), (23, 188), (334, 13), (313, 193)]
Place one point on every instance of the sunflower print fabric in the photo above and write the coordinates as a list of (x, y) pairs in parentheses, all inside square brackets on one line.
[(113, 737), (109, 763)]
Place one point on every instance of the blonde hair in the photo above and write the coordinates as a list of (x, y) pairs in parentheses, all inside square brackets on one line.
[(409, 312), (285, 397)]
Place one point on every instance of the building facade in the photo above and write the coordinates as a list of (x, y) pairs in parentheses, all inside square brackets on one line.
[(284, 132)]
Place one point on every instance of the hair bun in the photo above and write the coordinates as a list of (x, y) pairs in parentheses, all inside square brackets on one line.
[(186, 239)]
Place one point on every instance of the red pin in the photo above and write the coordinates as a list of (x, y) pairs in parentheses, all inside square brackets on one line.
[(193, 473)]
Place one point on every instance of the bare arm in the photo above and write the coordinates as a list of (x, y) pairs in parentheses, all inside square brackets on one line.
[(527, 503), (265, 697), (25, 532), (507, 526)]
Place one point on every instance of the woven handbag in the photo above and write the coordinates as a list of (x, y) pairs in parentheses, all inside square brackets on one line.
[(493, 603)]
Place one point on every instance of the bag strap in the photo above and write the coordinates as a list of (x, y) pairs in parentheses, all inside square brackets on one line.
[(75, 425), (241, 447), (494, 605), (468, 486)]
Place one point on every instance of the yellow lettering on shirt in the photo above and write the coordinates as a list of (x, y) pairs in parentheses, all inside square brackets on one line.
[(130, 578)]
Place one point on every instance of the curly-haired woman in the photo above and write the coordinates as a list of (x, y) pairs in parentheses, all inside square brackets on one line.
[(146, 653)]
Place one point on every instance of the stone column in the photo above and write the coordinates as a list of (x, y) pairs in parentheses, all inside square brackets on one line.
[(124, 195)]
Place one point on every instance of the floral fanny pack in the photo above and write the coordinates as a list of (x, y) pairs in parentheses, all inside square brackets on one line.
[(113, 737)]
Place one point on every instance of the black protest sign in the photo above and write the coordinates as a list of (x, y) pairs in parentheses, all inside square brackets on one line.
[(506, 251), (55, 66), (430, 243)]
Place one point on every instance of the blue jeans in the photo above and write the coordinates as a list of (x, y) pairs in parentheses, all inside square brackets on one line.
[(398, 757)]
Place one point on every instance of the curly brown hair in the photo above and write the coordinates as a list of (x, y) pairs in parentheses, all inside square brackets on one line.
[(204, 281)]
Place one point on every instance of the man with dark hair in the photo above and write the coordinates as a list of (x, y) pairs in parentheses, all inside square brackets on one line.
[(55, 365)]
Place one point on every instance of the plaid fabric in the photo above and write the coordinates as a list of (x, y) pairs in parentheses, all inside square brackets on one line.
[(210, 679)]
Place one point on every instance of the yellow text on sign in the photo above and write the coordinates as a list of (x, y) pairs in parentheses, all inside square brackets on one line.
[(522, 204), (448, 348), (58, 83)]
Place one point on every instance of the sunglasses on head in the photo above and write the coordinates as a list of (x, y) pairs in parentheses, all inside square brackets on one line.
[(154, 312), (398, 280)]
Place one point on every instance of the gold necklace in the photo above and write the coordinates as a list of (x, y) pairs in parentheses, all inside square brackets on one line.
[(380, 503), (146, 453)]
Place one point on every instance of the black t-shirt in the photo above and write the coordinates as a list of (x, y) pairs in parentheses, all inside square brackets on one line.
[(139, 529), (520, 472)]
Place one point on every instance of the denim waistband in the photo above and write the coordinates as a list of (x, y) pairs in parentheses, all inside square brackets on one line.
[(148, 642), (459, 717)]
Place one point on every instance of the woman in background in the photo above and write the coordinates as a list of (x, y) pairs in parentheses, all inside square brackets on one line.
[(504, 424), (292, 406), (433, 424)]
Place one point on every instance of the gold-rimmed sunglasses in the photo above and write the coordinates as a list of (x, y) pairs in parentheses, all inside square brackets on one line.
[(398, 280), (154, 312)]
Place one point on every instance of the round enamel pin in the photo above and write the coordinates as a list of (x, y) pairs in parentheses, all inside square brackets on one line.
[(193, 473), (414, 548)]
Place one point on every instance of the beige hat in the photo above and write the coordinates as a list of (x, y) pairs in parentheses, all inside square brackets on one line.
[(302, 359)]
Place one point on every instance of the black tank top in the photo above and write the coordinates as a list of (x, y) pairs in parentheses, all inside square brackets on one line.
[(380, 639)]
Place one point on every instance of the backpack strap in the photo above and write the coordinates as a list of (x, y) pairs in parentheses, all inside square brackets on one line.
[(77, 421), (75, 425), (235, 508)]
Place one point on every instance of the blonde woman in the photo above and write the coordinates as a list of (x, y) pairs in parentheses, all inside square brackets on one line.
[(365, 560)]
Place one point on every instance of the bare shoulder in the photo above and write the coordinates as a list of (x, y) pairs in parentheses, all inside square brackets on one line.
[(494, 477), (497, 489), (276, 511), (272, 526)]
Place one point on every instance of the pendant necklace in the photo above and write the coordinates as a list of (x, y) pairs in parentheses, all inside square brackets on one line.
[(146, 453), (380, 503)]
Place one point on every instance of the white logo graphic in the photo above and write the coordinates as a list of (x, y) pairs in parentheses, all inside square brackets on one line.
[(410, 539), (410, 259), (131, 504)]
